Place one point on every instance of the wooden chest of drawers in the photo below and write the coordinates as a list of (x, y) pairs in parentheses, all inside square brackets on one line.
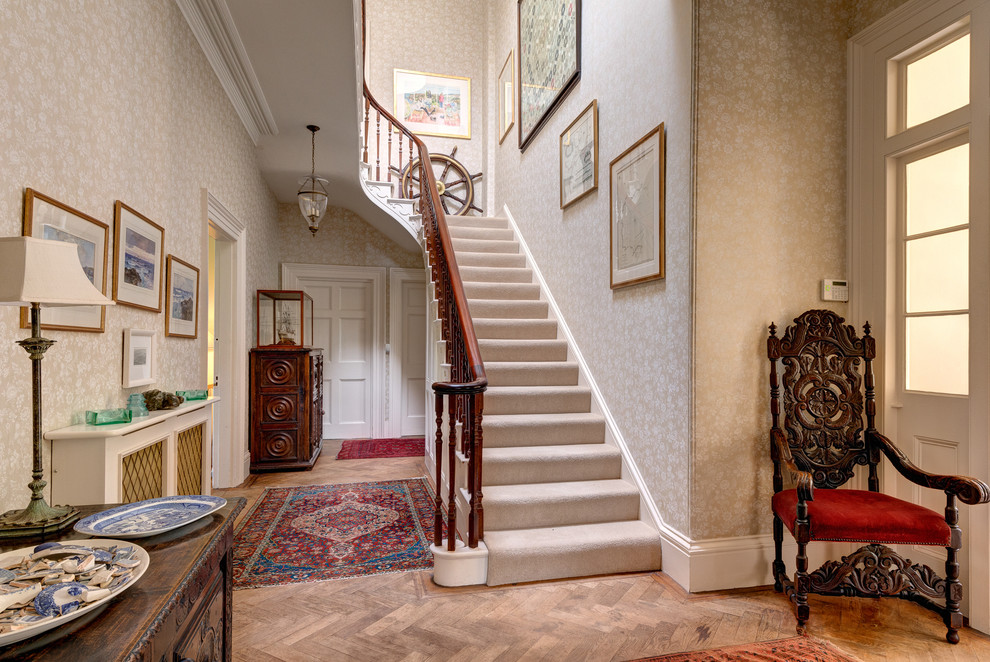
[(286, 408)]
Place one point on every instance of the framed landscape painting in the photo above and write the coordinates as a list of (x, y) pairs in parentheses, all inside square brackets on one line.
[(182, 285), (549, 60), (138, 245), (579, 157), (636, 211), (47, 218), (140, 362), (432, 104)]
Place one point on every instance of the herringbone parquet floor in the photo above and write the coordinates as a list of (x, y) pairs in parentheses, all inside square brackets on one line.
[(406, 617)]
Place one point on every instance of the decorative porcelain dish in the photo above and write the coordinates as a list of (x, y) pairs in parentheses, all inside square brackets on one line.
[(151, 517), (52, 583)]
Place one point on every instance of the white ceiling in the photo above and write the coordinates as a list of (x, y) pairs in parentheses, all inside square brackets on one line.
[(305, 56)]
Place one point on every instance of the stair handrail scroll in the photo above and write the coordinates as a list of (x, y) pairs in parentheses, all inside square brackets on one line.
[(468, 381)]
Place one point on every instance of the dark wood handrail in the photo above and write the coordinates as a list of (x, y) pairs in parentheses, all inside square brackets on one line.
[(468, 380)]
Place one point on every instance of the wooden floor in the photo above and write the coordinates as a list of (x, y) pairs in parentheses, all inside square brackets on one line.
[(405, 616)]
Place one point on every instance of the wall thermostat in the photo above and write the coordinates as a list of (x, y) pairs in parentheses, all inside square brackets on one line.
[(835, 290)]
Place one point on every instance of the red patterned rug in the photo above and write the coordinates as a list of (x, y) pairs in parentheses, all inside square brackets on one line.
[(796, 649), (321, 532), (362, 449)]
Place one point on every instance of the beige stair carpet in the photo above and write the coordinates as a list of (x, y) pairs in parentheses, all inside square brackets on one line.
[(555, 501)]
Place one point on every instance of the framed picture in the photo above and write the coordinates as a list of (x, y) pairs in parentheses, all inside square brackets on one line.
[(579, 156), (140, 362), (431, 104), (182, 285), (506, 98), (138, 245), (549, 60), (636, 209), (46, 218)]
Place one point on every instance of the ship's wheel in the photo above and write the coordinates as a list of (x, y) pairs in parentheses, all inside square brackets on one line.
[(454, 183)]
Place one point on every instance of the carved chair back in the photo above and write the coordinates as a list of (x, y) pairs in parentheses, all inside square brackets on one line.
[(823, 367)]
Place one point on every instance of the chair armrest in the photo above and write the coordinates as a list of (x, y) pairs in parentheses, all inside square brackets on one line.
[(780, 452), (968, 490)]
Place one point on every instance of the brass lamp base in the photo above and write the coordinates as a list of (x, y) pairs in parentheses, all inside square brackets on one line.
[(36, 520)]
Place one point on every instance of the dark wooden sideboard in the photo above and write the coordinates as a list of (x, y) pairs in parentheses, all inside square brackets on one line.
[(286, 407), (179, 611)]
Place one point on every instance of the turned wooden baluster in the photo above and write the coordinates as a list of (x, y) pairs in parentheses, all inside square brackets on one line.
[(438, 499), (367, 112), (399, 169), (388, 162), (451, 478), (476, 525), (378, 146)]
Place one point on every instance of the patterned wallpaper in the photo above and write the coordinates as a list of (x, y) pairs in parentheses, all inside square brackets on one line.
[(105, 101), (344, 238), (452, 33), (770, 224), (636, 60)]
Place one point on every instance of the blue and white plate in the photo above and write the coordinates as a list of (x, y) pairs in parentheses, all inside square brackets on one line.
[(151, 517), (35, 625)]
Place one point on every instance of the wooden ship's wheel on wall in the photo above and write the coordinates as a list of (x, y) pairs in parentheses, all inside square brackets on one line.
[(454, 183)]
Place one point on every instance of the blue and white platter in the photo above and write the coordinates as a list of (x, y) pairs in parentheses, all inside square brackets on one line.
[(100, 569), (151, 517)]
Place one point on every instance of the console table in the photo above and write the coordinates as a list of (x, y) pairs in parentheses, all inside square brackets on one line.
[(166, 453), (179, 610)]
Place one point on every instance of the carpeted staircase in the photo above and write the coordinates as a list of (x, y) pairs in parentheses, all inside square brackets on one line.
[(555, 502)]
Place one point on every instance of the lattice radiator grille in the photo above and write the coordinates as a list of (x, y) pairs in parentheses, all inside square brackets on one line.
[(141, 474), (190, 461)]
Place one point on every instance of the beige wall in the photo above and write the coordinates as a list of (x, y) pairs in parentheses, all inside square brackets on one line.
[(770, 213), (445, 37), (636, 60), (106, 101)]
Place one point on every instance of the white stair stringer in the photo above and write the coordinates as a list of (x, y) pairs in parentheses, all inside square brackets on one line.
[(558, 501), (381, 193)]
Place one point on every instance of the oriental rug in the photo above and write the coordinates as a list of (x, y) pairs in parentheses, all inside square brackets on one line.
[(795, 649), (321, 532), (360, 449)]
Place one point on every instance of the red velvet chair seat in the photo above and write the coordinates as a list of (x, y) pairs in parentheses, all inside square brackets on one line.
[(863, 516)]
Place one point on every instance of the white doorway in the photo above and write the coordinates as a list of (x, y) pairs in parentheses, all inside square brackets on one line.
[(349, 325), (226, 351), (407, 352), (919, 236)]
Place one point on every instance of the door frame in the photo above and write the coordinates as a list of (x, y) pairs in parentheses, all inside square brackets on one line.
[(871, 232), (396, 328), (294, 272), (233, 455)]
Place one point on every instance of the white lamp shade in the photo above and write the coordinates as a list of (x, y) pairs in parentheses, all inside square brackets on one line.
[(44, 272)]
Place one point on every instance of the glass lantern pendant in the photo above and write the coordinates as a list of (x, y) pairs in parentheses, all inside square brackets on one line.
[(312, 193)]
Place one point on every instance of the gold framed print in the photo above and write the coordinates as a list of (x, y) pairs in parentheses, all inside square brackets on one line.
[(579, 156), (636, 211), (47, 218), (432, 104)]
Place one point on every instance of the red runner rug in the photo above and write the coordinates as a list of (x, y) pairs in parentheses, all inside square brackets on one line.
[(321, 532), (362, 449), (796, 649)]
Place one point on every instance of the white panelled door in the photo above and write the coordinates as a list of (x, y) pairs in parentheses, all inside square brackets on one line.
[(919, 243), (408, 358), (348, 323)]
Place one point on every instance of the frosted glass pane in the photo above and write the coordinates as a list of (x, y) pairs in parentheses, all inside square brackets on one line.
[(938, 354), (937, 188), (938, 272), (938, 83)]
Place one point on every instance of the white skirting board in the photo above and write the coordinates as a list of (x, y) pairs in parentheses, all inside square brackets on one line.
[(726, 563)]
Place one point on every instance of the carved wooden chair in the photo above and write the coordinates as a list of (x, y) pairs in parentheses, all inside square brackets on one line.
[(818, 436)]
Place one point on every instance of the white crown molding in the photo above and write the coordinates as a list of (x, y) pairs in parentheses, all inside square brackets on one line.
[(213, 26)]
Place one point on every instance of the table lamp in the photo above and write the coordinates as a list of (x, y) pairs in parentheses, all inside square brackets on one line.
[(36, 273)]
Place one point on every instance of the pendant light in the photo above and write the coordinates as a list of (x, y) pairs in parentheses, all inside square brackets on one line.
[(313, 191)]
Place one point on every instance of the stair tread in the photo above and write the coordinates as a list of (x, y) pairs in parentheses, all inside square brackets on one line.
[(576, 490), (572, 538), (539, 420), (559, 451)]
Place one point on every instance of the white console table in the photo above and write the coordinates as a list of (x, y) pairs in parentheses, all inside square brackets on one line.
[(166, 453)]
